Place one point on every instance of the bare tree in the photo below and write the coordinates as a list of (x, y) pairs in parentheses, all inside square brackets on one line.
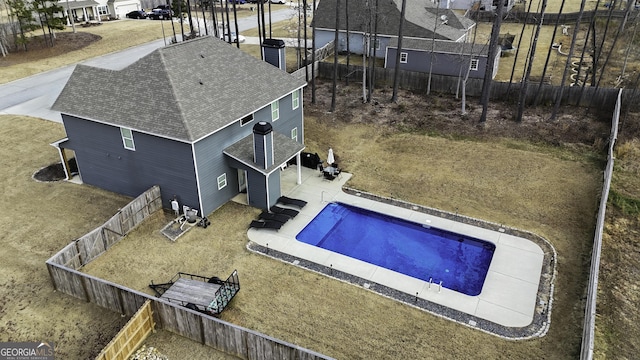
[(556, 106), (346, 25), (615, 41), (493, 51), (373, 46), (313, 54), (433, 47), (532, 53), (335, 59), (546, 62), (515, 59), (394, 96)]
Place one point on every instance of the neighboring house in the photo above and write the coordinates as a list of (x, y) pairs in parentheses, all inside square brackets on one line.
[(98, 10), (424, 19), (478, 4), (183, 118), (449, 58)]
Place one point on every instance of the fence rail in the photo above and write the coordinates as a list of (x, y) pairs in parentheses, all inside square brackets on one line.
[(64, 271), (588, 330)]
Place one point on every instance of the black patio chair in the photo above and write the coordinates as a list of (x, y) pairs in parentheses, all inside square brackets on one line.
[(290, 201), (269, 224), (288, 212)]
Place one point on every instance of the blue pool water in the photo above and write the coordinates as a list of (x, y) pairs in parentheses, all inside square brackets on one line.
[(460, 262)]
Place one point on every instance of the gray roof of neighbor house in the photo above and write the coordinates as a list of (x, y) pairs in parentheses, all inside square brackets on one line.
[(184, 91), (440, 46), (422, 18)]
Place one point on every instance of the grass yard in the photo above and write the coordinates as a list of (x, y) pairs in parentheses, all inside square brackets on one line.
[(546, 190), (549, 190)]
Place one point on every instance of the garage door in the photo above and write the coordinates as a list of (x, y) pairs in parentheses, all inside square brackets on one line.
[(123, 9)]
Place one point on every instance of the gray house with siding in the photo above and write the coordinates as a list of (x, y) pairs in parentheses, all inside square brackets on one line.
[(185, 117), (448, 57), (424, 19)]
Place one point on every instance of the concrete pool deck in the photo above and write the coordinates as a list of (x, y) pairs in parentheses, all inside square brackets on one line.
[(510, 295)]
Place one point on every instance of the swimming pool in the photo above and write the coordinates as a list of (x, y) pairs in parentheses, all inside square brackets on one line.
[(460, 262)]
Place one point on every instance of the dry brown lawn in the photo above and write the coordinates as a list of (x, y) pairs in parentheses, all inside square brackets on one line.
[(550, 191), (486, 172)]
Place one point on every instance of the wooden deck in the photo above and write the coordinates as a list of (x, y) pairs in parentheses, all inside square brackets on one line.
[(192, 291)]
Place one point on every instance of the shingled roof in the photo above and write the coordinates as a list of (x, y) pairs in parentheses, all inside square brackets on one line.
[(184, 91), (422, 17)]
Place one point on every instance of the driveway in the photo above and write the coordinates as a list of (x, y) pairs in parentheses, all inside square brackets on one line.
[(34, 95)]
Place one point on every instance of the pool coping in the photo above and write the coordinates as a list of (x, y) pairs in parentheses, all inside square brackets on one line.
[(544, 296)]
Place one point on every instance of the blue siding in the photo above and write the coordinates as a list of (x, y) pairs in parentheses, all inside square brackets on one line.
[(211, 162), (443, 64), (104, 162)]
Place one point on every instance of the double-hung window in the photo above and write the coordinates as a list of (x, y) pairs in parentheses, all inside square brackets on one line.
[(403, 57), (295, 99), (222, 181), (275, 110), (127, 138)]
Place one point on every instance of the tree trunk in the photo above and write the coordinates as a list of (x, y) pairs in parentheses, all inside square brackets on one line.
[(515, 60), (394, 96), (576, 28), (532, 53), (615, 41), (433, 47), (313, 54), (488, 74), (546, 62), (335, 59), (346, 25)]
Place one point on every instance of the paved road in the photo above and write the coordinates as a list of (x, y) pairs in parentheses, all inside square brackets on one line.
[(34, 95)]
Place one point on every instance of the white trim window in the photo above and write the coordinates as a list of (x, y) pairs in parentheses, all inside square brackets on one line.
[(295, 99), (474, 64), (294, 133), (275, 110), (222, 181), (103, 9), (127, 138), (403, 57)]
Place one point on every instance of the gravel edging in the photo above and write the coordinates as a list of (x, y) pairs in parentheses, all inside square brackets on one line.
[(544, 300)]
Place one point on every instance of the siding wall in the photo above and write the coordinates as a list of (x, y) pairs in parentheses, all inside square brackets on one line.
[(443, 64), (104, 162), (211, 162)]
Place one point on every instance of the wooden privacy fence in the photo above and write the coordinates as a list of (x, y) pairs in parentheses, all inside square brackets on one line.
[(64, 271), (588, 329), (549, 18), (600, 98), (131, 336)]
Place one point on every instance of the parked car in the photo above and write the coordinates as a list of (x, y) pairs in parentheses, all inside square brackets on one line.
[(234, 38), (278, 1), (160, 14), (137, 14)]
